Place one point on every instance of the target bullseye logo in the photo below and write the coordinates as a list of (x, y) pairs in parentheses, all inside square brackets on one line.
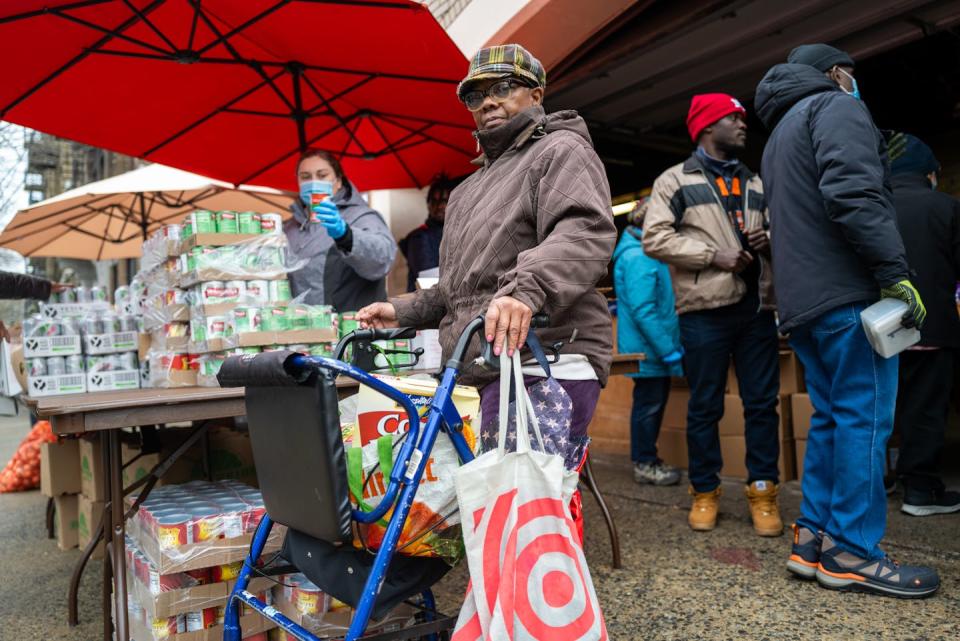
[(535, 581)]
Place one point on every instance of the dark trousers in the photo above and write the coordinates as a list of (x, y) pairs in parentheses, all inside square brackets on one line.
[(710, 338), (926, 380), (649, 402)]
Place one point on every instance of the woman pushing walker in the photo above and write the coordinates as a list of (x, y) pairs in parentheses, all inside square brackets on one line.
[(530, 231)]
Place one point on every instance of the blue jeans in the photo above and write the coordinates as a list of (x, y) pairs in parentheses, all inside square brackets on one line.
[(649, 403), (710, 338), (853, 391)]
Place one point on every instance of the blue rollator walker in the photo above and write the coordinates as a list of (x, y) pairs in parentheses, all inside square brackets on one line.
[(291, 403)]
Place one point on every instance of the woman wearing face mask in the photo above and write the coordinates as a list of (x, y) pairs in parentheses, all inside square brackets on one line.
[(349, 246)]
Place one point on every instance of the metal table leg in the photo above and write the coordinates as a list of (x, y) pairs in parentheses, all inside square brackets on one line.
[(50, 511), (106, 523), (586, 475), (115, 539)]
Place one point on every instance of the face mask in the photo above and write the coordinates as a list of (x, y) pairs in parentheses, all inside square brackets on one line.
[(856, 90), (310, 187)]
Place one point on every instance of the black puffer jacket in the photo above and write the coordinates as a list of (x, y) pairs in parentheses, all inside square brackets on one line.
[(930, 226), (826, 179), (13, 286)]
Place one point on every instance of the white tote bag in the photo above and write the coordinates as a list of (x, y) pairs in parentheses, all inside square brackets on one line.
[(529, 579)]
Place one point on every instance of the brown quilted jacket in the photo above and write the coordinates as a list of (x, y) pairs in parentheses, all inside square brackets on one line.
[(534, 222)]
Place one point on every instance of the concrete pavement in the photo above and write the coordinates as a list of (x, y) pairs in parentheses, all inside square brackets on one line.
[(676, 584)]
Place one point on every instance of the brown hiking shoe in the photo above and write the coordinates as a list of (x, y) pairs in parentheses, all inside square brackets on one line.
[(762, 496), (703, 512)]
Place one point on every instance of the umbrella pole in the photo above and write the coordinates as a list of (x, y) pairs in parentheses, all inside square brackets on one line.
[(144, 225), (299, 115)]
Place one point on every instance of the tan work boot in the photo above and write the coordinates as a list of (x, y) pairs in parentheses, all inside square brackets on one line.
[(703, 512), (762, 496)]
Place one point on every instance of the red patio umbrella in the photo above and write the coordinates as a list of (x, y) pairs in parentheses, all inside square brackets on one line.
[(235, 90)]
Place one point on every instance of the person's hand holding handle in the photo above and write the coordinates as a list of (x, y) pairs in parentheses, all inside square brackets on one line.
[(378, 316)]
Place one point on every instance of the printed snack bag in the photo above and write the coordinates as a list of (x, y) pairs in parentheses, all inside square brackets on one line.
[(432, 527)]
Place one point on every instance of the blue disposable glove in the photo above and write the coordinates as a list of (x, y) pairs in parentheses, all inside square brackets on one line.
[(329, 216), (673, 357)]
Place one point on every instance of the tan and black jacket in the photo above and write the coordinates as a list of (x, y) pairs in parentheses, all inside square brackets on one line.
[(685, 225)]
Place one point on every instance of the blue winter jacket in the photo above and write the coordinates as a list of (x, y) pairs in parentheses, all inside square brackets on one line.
[(646, 314)]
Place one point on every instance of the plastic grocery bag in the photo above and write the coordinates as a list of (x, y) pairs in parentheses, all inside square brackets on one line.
[(23, 470), (528, 575), (433, 524)]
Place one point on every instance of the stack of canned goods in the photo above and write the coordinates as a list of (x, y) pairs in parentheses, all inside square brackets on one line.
[(108, 323), (81, 294), (37, 326), (252, 292), (281, 318), (124, 361), (204, 221), (200, 511), (55, 366)]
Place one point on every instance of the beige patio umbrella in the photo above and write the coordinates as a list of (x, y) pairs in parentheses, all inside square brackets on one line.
[(111, 218)]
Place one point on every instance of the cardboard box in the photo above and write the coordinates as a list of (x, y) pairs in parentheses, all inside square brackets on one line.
[(672, 446), (733, 421), (675, 414), (610, 427), (57, 311), (44, 346), (250, 624), (207, 554), (200, 597), (66, 521), (216, 309), (173, 377), (60, 468), (88, 518), (290, 337), (335, 623), (175, 344), (143, 345), (112, 343), (800, 446), (734, 452), (113, 380), (802, 415), (219, 240), (231, 456), (791, 375), (136, 465), (38, 386), (93, 479), (206, 274)]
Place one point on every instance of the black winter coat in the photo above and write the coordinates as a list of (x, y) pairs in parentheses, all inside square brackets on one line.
[(13, 286), (930, 225), (421, 248), (825, 174)]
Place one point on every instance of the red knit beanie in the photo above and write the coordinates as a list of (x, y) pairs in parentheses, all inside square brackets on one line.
[(708, 108)]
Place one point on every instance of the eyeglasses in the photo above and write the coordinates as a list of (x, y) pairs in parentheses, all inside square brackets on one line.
[(499, 91)]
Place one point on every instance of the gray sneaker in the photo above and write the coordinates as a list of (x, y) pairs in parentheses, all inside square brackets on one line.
[(656, 473)]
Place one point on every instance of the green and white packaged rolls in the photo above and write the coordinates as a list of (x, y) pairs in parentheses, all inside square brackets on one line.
[(321, 316), (298, 317), (280, 291), (274, 319), (248, 222), (227, 222), (348, 323), (247, 319)]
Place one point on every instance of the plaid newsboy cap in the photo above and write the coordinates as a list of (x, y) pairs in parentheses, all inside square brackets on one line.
[(503, 61)]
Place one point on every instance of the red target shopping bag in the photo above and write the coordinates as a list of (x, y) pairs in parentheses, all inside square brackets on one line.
[(529, 578)]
